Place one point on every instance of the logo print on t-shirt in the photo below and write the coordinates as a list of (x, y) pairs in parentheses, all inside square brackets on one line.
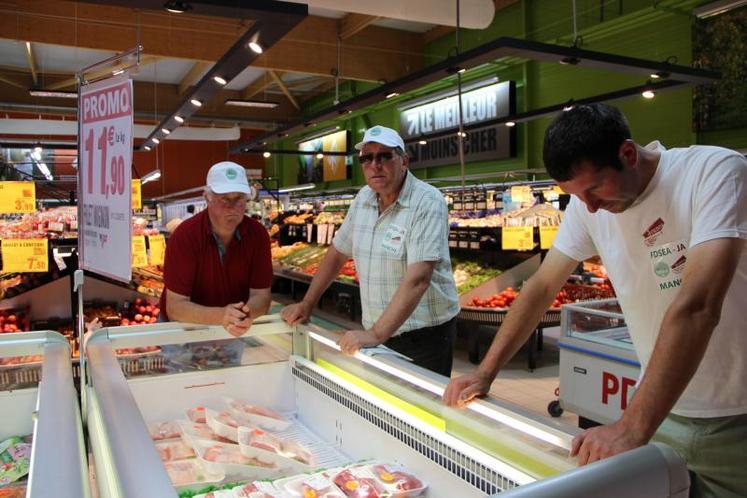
[(652, 232), (679, 265), (661, 269)]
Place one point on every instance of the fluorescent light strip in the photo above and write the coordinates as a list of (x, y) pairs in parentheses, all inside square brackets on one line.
[(476, 407), (251, 103), (51, 93), (501, 467)]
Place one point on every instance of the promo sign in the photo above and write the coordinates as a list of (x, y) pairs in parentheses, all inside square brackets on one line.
[(481, 144), (105, 158), (17, 197), (25, 255)]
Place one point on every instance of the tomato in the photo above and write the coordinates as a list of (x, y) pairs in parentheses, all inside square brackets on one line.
[(138, 317)]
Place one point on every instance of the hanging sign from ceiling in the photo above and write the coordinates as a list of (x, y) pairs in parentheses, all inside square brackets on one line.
[(438, 116), (105, 189)]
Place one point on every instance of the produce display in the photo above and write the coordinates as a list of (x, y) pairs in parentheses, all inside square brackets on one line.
[(570, 293), (335, 218), (535, 216), (298, 219), (14, 320), (53, 223), (471, 274), (139, 312)]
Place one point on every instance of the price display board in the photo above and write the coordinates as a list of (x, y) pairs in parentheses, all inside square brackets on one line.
[(547, 236), (25, 255), (137, 199), (517, 238), (105, 189), (139, 254), (157, 249), (17, 197)]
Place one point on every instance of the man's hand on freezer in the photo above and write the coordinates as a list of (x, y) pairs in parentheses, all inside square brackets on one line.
[(461, 390), (353, 340), (604, 441), (237, 319), (296, 313)]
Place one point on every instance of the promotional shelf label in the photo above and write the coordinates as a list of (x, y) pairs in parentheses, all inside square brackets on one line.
[(25, 255), (547, 236), (139, 254), (157, 244), (137, 201), (521, 193), (105, 189), (17, 197), (517, 238)]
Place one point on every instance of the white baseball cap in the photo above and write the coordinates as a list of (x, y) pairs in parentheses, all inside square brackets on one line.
[(382, 135), (227, 176)]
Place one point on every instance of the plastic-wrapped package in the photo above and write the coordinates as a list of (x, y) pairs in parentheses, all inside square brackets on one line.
[(15, 458), (197, 415), (160, 431), (192, 430), (174, 450), (318, 485), (263, 417), (191, 474), (260, 443), (358, 483), (228, 459)]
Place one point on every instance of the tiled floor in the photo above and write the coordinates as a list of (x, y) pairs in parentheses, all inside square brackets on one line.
[(515, 383)]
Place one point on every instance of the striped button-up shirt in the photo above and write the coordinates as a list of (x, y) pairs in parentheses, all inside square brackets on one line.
[(413, 229)]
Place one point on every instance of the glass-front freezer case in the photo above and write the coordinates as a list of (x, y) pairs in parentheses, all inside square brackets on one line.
[(41, 436), (281, 412), (598, 365)]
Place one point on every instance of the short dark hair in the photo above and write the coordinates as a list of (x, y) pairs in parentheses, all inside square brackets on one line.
[(591, 132)]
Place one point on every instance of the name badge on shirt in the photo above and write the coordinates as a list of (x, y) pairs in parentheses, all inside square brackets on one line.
[(668, 264), (394, 238)]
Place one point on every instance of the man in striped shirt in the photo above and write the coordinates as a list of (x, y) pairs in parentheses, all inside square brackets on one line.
[(397, 231)]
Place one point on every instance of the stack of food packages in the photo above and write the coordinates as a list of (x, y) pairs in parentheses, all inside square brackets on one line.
[(149, 280), (53, 223), (140, 227), (535, 216), (15, 463), (257, 451)]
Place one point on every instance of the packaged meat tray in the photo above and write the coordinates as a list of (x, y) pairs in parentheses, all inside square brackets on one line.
[(193, 430), (223, 424), (257, 415), (226, 458), (318, 485), (358, 482), (192, 475), (258, 489), (397, 480), (160, 431), (174, 450), (197, 415), (287, 454)]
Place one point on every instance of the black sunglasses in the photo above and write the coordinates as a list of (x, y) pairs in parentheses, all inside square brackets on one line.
[(381, 157)]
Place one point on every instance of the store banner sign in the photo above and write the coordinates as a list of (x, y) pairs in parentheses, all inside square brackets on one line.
[(105, 158), (17, 197), (482, 144), (25, 255), (137, 198), (156, 250)]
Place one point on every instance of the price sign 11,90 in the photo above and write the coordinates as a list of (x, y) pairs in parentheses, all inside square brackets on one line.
[(115, 184)]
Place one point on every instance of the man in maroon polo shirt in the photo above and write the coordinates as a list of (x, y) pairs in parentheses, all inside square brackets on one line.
[(218, 269)]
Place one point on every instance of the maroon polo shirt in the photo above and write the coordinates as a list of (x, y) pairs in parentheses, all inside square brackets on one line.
[(193, 264)]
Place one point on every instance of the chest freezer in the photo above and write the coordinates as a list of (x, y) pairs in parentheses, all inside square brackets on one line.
[(38, 398), (342, 409), (598, 365)]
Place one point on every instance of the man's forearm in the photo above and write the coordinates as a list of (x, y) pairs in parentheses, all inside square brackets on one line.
[(259, 304), (189, 312), (679, 349), (406, 298), (520, 322), (328, 270)]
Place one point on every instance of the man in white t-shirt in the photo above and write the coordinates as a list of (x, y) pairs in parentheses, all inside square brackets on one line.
[(669, 226)]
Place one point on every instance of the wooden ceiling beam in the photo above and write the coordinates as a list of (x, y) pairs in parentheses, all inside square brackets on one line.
[(353, 23), (284, 88), (72, 81), (311, 47), (14, 81), (256, 86), (32, 62), (193, 75)]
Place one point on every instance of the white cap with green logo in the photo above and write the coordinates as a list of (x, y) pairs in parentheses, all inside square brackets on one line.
[(226, 176), (382, 135)]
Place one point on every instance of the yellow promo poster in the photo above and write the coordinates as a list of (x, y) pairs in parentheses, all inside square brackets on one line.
[(137, 202), (17, 197), (25, 255), (334, 166)]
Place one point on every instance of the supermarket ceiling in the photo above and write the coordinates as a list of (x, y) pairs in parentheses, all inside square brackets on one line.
[(43, 43)]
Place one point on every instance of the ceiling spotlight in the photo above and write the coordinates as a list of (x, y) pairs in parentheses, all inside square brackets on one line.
[(510, 124), (392, 95), (461, 134), (256, 47), (146, 147), (155, 140), (266, 154), (118, 72), (219, 80), (38, 149), (659, 75), (251, 103), (570, 60), (177, 6), (648, 94), (567, 107), (165, 131), (423, 142), (196, 102), (320, 156), (53, 93), (150, 176), (179, 119)]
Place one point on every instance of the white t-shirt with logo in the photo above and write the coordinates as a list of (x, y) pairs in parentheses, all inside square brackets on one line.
[(697, 194)]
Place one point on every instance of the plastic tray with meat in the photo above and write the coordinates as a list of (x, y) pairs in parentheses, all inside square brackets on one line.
[(258, 489), (228, 459), (192, 474), (357, 482), (397, 480), (197, 414), (160, 431), (192, 430), (174, 450), (223, 424), (257, 442), (318, 485), (263, 417)]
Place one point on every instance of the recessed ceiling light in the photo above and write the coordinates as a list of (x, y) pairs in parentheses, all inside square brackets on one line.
[(461, 134), (392, 95), (510, 124), (155, 140), (251, 103), (648, 94), (266, 154), (256, 47), (320, 156), (179, 119), (423, 142), (196, 102), (165, 131), (146, 147), (568, 107), (177, 6), (219, 80), (461, 70)]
